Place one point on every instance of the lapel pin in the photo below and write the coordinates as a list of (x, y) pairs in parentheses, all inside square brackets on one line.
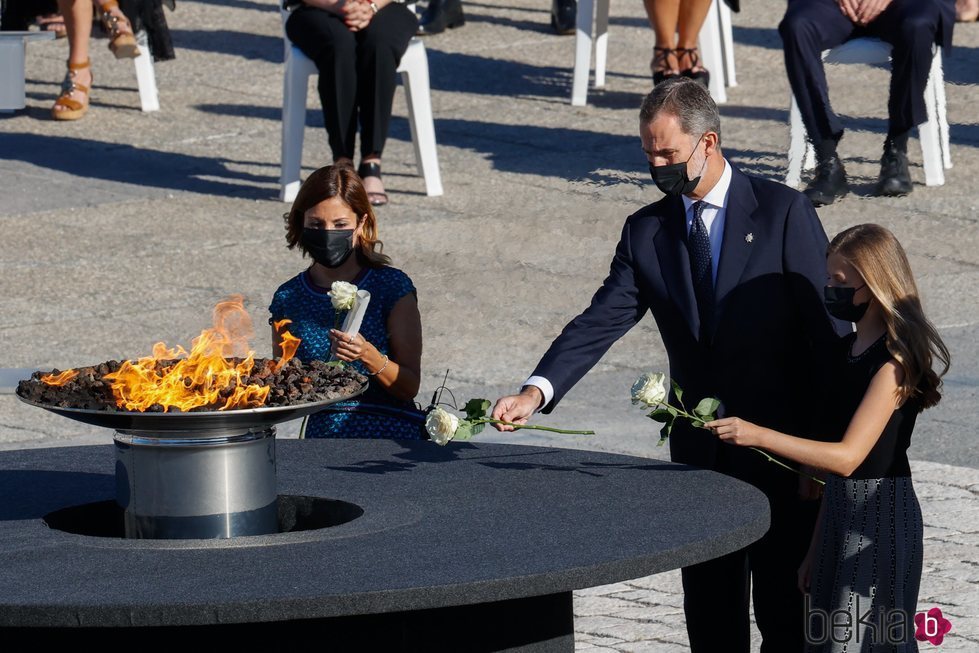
[(749, 238)]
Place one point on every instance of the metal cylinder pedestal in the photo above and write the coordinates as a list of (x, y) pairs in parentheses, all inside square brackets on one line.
[(197, 485)]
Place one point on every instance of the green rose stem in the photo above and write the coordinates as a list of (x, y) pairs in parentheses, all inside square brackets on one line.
[(532, 426), (779, 462)]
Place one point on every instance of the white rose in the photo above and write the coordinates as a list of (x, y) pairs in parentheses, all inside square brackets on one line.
[(441, 425), (649, 389), (342, 295)]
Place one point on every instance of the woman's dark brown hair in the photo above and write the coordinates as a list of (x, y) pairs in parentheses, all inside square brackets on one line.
[(338, 181)]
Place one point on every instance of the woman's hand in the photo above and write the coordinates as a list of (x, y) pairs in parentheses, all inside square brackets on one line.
[(350, 347), (357, 14), (736, 431)]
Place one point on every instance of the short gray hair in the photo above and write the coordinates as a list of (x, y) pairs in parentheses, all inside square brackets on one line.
[(686, 99)]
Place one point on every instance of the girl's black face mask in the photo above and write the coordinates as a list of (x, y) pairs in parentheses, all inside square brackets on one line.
[(328, 247), (839, 303)]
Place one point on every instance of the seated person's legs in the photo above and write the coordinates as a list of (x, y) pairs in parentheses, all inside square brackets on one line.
[(808, 28), (910, 26), (379, 51), (324, 38)]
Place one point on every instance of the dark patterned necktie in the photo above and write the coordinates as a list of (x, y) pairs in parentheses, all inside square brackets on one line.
[(701, 270)]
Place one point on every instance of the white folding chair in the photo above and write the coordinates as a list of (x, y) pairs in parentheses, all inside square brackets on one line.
[(414, 76), (933, 134), (716, 49)]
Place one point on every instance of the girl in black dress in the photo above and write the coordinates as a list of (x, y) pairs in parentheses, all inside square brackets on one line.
[(863, 568)]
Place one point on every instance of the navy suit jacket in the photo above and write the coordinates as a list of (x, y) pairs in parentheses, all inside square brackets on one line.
[(771, 326)]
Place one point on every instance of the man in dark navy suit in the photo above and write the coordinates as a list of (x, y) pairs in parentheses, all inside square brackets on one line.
[(732, 268)]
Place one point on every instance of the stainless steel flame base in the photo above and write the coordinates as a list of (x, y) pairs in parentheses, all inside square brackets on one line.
[(197, 485)]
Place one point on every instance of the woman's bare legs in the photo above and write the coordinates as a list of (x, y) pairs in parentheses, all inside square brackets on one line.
[(78, 22), (663, 16), (691, 18)]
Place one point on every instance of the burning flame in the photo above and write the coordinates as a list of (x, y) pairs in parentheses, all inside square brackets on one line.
[(204, 377), (288, 343), (59, 379)]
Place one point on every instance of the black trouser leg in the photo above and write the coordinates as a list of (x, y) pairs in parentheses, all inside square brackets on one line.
[(808, 28), (910, 27), (774, 562), (324, 38), (379, 50), (715, 604)]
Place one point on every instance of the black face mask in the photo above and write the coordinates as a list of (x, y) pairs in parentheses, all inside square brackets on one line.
[(839, 303), (328, 247), (672, 179)]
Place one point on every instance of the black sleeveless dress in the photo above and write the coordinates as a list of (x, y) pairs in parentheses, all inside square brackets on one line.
[(868, 566)]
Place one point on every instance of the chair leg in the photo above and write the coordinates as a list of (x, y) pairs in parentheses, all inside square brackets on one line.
[(939, 77), (929, 136), (13, 90), (601, 41), (149, 98), (414, 76), (294, 91), (727, 43), (713, 60), (582, 53), (798, 147)]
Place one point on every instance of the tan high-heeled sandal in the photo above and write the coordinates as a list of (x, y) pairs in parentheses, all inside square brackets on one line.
[(122, 41), (72, 109)]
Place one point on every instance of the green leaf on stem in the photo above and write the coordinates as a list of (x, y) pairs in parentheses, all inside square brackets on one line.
[(706, 406), (660, 415), (677, 391), (697, 423), (671, 410), (465, 430), (476, 408), (665, 431)]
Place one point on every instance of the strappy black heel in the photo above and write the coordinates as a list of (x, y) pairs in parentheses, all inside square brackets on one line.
[(661, 59), (702, 75), (372, 169)]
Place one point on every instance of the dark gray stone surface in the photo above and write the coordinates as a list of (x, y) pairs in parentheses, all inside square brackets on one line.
[(464, 524)]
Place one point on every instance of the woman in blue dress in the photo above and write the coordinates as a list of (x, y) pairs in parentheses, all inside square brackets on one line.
[(863, 569), (332, 221)]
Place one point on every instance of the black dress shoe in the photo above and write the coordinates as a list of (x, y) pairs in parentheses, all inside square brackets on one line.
[(829, 183), (440, 14), (895, 178), (564, 16)]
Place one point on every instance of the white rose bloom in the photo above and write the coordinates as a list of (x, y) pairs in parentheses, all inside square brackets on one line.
[(342, 295), (649, 389), (441, 425)]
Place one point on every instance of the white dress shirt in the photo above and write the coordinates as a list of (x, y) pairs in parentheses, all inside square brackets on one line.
[(714, 215)]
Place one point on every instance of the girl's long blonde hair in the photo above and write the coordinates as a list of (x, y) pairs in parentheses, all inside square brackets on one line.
[(912, 339)]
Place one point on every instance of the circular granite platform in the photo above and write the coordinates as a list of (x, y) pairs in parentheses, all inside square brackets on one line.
[(480, 525)]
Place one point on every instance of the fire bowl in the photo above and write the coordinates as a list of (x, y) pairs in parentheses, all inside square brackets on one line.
[(197, 475)]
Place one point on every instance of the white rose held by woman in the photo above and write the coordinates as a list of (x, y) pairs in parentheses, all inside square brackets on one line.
[(343, 295), (441, 425), (649, 389)]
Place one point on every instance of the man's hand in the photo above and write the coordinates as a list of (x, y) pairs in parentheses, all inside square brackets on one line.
[(357, 14), (517, 408), (863, 12)]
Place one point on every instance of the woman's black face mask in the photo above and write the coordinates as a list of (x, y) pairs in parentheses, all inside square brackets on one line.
[(328, 247), (839, 303)]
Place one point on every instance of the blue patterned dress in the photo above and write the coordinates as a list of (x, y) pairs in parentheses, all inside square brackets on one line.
[(374, 414)]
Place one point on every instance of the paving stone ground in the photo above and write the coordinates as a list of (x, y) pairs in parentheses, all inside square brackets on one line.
[(125, 228)]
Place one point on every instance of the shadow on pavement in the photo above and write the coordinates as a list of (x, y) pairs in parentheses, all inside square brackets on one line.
[(138, 166)]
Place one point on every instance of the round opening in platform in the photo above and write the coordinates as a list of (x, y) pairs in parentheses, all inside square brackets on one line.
[(296, 513)]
